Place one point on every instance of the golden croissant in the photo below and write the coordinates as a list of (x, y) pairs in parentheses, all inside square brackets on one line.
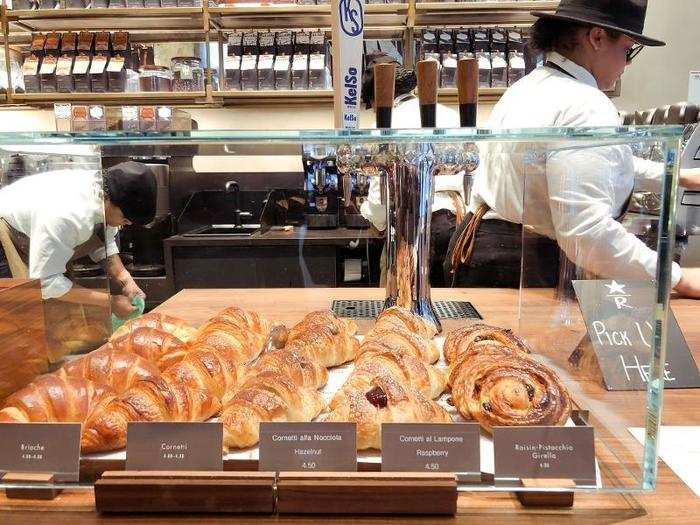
[(400, 338), (167, 323), (153, 344), (324, 338), (397, 316), (53, 399)]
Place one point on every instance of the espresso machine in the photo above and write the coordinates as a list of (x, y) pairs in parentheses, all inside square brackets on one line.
[(321, 186)]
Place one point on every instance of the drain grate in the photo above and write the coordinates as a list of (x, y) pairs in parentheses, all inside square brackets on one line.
[(369, 309)]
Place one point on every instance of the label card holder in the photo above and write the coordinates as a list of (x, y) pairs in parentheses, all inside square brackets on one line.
[(174, 447), (49, 448), (544, 453), (424, 447), (320, 447)]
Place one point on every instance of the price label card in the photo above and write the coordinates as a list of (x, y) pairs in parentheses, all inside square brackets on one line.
[(545, 453), (52, 448), (174, 446), (416, 447), (329, 447)]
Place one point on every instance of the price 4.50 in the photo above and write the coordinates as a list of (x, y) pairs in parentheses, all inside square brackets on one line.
[(308, 465), (432, 466)]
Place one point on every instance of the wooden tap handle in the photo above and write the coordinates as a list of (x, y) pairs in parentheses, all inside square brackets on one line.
[(427, 77), (468, 90), (384, 80)]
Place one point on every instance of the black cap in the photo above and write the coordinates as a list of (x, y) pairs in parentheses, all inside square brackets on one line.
[(625, 16), (131, 186)]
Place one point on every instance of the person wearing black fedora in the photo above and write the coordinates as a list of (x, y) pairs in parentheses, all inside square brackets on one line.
[(49, 219), (572, 197)]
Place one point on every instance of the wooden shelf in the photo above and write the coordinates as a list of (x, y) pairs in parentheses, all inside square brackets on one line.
[(288, 96), (112, 99), (479, 13)]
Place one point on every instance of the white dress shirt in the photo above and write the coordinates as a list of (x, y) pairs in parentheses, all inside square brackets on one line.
[(58, 211), (568, 191), (406, 115)]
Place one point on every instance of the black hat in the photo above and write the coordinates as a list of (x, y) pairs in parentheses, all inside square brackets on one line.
[(625, 16), (131, 186)]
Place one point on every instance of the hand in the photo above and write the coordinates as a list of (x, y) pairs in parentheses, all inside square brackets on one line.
[(131, 290), (689, 285), (690, 178), (121, 306)]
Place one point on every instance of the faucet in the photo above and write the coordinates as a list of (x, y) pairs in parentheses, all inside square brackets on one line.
[(233, 187)]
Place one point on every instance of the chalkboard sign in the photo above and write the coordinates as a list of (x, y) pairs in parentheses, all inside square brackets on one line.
[(619, 318)]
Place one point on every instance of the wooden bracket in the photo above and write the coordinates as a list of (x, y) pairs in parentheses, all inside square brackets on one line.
[(551, 498), (366, 493), (41, 480), (197, 492)]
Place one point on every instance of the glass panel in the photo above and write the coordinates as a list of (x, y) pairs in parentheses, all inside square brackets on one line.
[(284, 223)]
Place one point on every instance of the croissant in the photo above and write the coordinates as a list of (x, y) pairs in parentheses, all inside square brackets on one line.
[(424, 349), (53, 399), (397, 316), (509, 390), (266, 396), (462, 339), (109, 366), (400, 364), (295, 365), (153, 344), (246, 319), (167, 323), (158, 399), (382, 400), (324, 338)]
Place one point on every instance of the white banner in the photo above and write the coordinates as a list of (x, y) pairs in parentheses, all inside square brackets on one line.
[(348, 30)]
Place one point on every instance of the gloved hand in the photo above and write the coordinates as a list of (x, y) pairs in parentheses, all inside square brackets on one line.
[(131, 290)]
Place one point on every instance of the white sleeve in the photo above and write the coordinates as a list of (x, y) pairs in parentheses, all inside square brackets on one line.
[(582, 185), (52, 244), (110, 248), (649, 174), (372, 209)]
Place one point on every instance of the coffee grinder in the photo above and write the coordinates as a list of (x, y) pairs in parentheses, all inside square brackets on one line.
[(355, 192), (321, 185)]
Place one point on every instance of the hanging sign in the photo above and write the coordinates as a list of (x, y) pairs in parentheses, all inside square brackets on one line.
[(347, 40)]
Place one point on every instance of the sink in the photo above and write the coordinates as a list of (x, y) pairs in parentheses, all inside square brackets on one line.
[(246, 230)]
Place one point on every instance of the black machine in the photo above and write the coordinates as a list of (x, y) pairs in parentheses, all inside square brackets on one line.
[(321, 186), (355, 192)]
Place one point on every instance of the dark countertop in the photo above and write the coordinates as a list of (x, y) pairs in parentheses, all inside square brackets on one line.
[(336, 236)]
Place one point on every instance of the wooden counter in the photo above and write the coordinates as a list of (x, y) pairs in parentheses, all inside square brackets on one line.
[(672, 502)]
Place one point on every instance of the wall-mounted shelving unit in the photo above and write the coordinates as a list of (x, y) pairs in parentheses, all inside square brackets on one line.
[(205, 24)]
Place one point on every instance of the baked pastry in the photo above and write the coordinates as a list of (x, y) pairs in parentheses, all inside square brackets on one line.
[(108, 366), (53, 399), (397, 316), (295, 365), (246, 319), (167, 323), (266, 396), (491, 349), (463, 339), (400, 338), (153, 344), (502, 388), (400, 364), (324, 338), (383, 400), (158, 399)]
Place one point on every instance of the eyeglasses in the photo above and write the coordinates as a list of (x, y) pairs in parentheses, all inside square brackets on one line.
[(633, 52)]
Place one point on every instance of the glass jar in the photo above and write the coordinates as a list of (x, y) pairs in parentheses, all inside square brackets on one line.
[(155, 78), (188, 74)]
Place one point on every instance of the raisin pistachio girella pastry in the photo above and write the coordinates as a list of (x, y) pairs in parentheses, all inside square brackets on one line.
[(500, 388), (167, 323), (158, 346), (53, 399), (465, 338), (382, 399), (108, 366), (266, 396), (325, 338), (397, 316)]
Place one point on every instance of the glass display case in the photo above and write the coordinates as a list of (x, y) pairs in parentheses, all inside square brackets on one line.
[(244, 219)]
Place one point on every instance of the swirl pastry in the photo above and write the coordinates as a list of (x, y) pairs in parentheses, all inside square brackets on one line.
[(465, 338), (508, 390), (396, 316)]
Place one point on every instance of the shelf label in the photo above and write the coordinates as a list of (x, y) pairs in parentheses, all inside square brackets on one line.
[(416, 447), (325, 447), (544, 453), (174, 446), (51, 448), (619, 317)]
